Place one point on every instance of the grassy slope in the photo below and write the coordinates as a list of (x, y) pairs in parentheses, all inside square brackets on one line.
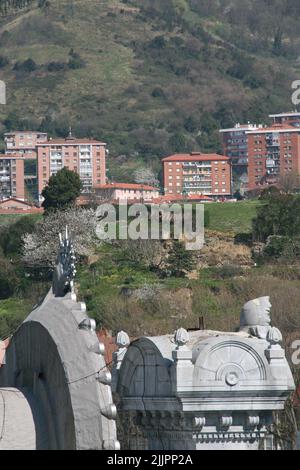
[(111, 97), (233, 217)]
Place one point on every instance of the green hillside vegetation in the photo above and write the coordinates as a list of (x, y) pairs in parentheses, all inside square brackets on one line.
[(148, 77), (234, 217)]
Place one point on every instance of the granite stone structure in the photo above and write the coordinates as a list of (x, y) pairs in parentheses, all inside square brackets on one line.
[(54, 387), (204, 389), (186, 391)]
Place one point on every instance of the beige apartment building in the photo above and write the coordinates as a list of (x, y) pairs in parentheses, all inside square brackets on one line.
[(85, 157), (12, 181), (24, 142)]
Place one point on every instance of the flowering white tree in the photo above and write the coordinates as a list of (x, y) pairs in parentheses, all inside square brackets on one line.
[(41, 246), (145, 176)]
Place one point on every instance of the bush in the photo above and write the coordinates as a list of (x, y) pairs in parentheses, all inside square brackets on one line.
[(3, 62), (158, 43), (158, 93), (27, 66), (277, 245), (11, 236), (228, 271), (77, 63), (56, 66)]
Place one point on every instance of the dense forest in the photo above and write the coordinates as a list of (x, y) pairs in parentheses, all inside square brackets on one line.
[(149, 77)]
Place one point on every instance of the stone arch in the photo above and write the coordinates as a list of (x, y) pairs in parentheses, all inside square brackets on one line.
[(229, 363), (144, 371)]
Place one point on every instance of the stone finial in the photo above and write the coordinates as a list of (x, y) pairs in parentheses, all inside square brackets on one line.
[(122, 340), (181, 337), (274, 336), (256, 313), (65, 270)]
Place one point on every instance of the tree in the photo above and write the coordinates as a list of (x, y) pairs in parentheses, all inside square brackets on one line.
[(62, 190), (290, 182), (11, 236), (28, 66), (180, 261), (145, 176), (41, 246), (279, 215)]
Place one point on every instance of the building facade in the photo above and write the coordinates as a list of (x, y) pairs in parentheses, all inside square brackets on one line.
[(85, 157), (273, 153), (126, 192), (197, 173), (235, 146), (291, 119), (24, 142), (12, 180), (202, 390)]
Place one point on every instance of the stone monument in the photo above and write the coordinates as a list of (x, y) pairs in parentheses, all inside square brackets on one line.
[(54, 387), (204, 389)]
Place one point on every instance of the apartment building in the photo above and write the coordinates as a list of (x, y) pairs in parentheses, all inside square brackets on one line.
[(12, 181), (235, 146), (85, 157), (126, 192), (197, 173), (291, 119), (24, 142), (273, 152)]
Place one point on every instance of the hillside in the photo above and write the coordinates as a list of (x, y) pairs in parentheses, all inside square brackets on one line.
[(147, 77)]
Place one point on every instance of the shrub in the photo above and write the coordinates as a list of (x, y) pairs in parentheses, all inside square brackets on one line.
[(27, 66), (228, 271), (3, 62), (56, 66)]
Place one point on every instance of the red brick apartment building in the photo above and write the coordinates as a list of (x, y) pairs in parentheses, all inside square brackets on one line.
[(235, 146), (12, 180), (197, 173), (24, 142), (273, 152), (84, 156), (292, 119)]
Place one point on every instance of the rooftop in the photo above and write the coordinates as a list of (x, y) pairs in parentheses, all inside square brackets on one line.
[(25, 132), (71, 141), (242, 127), (280, 128), (291, 114), (195, 157), (137, 187)]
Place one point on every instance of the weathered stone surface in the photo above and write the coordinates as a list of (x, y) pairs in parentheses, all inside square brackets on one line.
[(204, 390), (53, 358)]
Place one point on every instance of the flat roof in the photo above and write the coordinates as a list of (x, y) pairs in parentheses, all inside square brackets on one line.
[(195, 157), (242, 127), (70, 142), (293, 114), (25, 132), (279, 128), (135, 186)]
